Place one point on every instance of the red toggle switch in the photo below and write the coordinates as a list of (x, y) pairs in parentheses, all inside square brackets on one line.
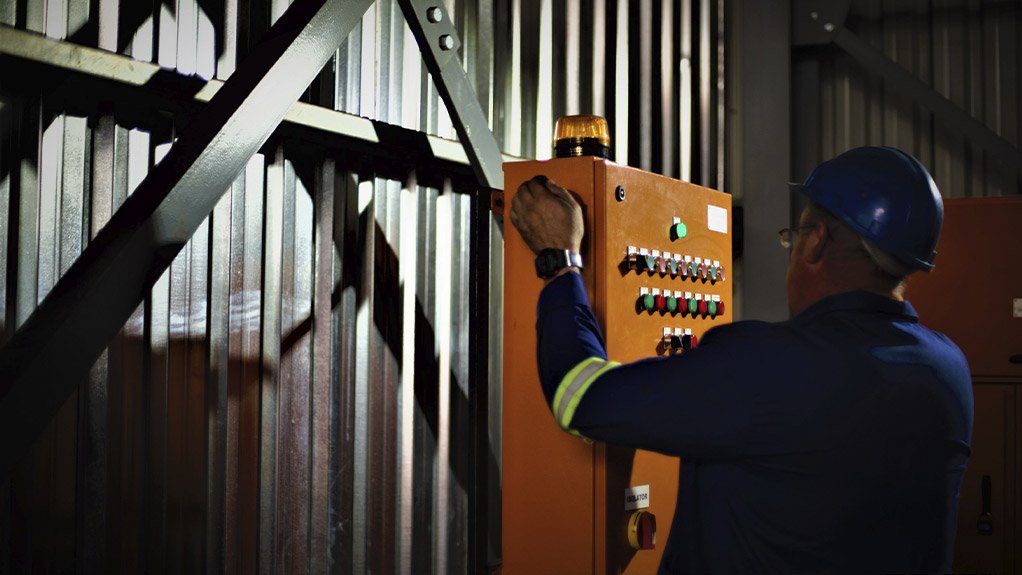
[(720, 308), (661, 303), (703, 307), (695, 341)]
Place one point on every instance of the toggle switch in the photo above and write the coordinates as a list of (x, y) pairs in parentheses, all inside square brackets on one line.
[(693, 270), (703, 308), (720, 308), (672, 305), (693, 305), (672, 266), (695, 342), (711, 308), (686, 341), (650, 263), (642, 530), (703, 271), (713, 273)]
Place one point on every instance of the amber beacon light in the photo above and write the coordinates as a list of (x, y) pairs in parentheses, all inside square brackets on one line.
[(581, 136)]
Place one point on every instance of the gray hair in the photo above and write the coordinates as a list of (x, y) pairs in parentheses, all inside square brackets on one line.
[(887, 263)]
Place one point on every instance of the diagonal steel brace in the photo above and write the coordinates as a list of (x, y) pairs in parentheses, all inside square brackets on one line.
[(438, 41), (51, 353)]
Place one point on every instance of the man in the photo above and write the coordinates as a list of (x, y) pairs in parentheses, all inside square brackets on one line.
[(832, 442)]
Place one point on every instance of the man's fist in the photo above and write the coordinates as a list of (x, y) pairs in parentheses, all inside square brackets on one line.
[(547, 216)]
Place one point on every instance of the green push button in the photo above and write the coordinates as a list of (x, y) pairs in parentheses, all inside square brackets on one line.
[(672, 304), (648, 302), (678, 231), (693, 305), (712, 308)]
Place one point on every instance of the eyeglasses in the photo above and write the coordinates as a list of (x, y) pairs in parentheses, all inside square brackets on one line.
[(787, 235)]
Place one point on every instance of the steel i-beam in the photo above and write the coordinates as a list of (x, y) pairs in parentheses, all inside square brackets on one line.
[(48, 356)]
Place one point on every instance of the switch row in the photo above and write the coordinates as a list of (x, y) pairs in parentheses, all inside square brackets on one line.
[(677, 340), (677, 265), (676, 302)]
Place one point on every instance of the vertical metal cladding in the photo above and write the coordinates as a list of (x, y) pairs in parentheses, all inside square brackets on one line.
[(309, 387), (967, 51)]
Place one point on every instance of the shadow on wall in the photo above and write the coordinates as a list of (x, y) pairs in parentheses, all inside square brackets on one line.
[(166, 457)]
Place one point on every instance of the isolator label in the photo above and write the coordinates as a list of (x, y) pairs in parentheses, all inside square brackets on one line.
[(637, 497)]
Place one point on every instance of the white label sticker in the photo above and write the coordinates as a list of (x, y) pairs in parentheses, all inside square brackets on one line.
[(667, 332), (637, 497), (667, 256), (643, 291), (716, 298), (716, 263), (699, 261), (643, 251), (632, 250), (676, 220), (678, 331), (656, 291), (688, 295), (677, 294), (716, 219), (688, 258), (688, 331), (1016, 308), (655, 253)]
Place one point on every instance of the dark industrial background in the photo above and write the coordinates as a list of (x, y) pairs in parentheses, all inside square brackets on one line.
[(314, 383)]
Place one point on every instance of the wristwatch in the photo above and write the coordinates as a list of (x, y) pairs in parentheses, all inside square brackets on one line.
[(551, 261)]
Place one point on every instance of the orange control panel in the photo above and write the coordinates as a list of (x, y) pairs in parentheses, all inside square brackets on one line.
[(657, 256)]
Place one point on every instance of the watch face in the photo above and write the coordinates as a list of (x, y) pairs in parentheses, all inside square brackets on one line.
[(548, 262)]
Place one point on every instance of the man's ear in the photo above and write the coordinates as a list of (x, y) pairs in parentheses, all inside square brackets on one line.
[(813, 241)]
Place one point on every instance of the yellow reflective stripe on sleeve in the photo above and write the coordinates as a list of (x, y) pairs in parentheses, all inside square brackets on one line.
[(574, 385), (569, 378)]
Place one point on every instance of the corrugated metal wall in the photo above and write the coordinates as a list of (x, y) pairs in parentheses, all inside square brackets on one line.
[(308, 387), (970, 51)]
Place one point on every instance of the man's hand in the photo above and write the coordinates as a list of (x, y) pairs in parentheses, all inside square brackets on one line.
[(547, 216)]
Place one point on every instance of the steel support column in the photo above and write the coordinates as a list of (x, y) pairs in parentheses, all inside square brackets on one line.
[(438, 41), (46, 359)]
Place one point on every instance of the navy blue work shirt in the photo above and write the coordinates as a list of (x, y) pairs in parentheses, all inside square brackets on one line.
[(832, 442)]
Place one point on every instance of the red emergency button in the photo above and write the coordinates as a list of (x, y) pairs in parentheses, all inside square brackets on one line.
[(703, 308), (642, 530)]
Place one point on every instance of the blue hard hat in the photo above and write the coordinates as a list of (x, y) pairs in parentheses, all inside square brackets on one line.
[(886, 196)]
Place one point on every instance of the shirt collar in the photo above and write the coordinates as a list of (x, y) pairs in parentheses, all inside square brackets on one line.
[(859, 301)]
